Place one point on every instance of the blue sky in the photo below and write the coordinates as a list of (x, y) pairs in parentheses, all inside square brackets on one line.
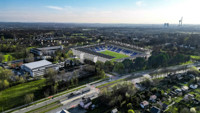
[(100, 11)]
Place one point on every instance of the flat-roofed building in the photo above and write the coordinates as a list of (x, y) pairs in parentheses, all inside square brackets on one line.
[(46, 51), (39, 67), (84, 53)]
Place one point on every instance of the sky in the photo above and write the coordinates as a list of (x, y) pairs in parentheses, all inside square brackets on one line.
[(101, 11)]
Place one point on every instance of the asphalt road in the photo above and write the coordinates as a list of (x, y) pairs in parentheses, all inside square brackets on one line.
[(73, 102)]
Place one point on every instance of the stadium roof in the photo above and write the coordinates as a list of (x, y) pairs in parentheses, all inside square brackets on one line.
[(86, 50), (37, 64), (49, 48)]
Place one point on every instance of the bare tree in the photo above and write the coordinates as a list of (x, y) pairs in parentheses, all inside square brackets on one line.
[(29, 98)]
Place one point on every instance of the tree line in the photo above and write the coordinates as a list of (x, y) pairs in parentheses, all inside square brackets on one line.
[(157, 60)]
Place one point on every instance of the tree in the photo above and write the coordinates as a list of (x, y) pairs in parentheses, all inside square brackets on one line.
[(129, 105), (46, 93), (99, 65), (51, 76), (54, 88), (5, 73), (6, 84), (28, 98), (1, 58), (131, 111), (147, 82), (140, 63), (195, 71), (72, 81), (108, 66), (100, 73), (75, 75), (118, 93), (119, 68), (159, 60), (55, 58), (1, 84), (2, 37), (30, 57), (68, 54), (127, 63), (10, 58), (184, 110), (21, 79)]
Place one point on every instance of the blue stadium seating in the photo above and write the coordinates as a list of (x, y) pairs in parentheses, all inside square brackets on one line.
[(113, 49), (97, 49), (127, 51), (134, 53), (118, 50), (110, 47)]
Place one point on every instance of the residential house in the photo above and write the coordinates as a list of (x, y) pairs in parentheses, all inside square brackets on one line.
[(153, 98), (184, 88), (144, 104), (179, 92), (164, 106), (193, 86), (188, 97), (196, 101), (114, 110), (154, 109), (85, 103), (179, 77)]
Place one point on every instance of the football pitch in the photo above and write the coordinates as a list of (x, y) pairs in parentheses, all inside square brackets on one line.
[(114, 54)]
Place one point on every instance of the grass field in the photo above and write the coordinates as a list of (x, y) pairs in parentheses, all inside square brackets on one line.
[(6, 59), (14, 96), (114, 54), (195, 57)]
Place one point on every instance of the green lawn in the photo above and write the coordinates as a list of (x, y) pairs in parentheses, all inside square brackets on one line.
[(14, 96), (186, 63), (114, 54), (6, 59), (195, 57)]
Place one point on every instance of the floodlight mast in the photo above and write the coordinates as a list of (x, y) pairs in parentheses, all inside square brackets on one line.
[(181, 21)]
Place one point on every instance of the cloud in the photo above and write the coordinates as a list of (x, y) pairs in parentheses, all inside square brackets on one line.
[(139, 3), (55, 7)]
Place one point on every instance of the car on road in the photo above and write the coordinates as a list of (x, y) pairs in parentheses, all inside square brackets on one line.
[(71, 95), (85, 90)]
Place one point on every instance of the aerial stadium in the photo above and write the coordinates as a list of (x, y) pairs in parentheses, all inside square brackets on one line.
[(115, 51)]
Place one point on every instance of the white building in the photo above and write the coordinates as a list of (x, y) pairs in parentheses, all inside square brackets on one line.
[(39, 67), (84, 53)]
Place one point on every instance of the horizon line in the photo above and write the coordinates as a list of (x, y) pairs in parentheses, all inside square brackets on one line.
[(99, 23)]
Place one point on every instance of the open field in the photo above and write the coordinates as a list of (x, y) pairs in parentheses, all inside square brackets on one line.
[(195, 57), (114, 54), (14, 96)]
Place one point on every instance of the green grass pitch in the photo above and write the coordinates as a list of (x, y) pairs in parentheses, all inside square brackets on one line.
[(114, 54)]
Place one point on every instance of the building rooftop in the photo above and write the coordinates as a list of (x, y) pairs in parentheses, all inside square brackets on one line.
[(49, 48), (64, 111), (114, 110), (154, 109), (153, 97), (145, 103), (37, 64)]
